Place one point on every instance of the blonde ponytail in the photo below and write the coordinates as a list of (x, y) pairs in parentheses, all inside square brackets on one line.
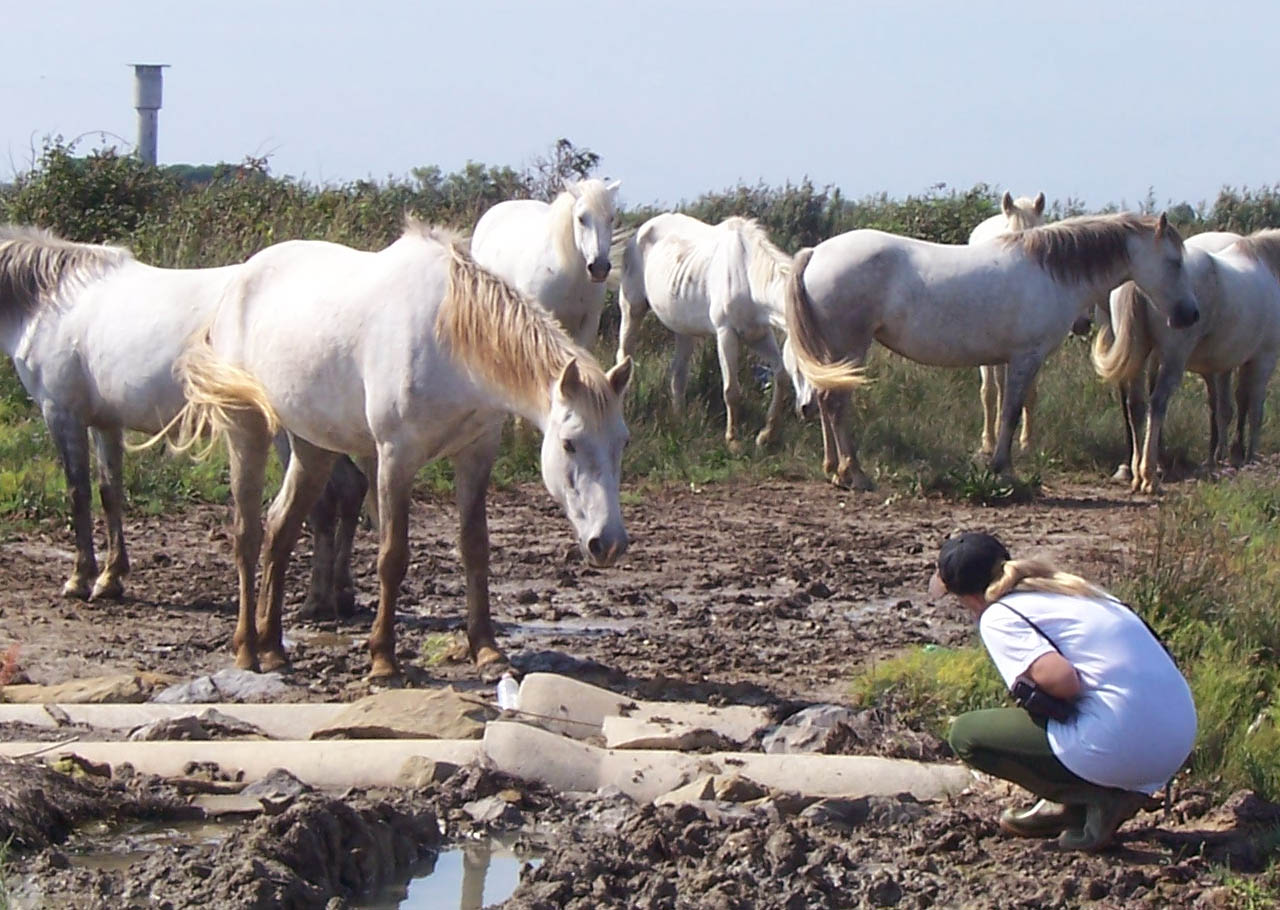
[(1039, 575)]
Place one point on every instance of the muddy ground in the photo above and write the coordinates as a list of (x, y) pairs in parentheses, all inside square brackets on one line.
[(765, 594)]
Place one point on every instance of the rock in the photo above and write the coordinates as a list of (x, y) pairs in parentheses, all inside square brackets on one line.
[(820, 728), (226, 685), (841, 813), (277, 787), (411, 714), (700, 789), (122, 688), (737, 789), (209, 724), (494, 810), (419, 771)]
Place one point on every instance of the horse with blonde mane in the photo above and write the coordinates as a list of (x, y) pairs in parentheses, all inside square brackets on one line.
[(94, 335), (726, 281), (556, 253), (1237, 282), (406, 355), (1010, 302), (1015, 215)]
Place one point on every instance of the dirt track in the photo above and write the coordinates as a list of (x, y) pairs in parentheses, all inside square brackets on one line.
[(766, 593)]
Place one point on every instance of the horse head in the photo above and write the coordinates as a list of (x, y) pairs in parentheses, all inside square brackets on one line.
[(583, 438), (1022, 213), (1157, 263), (594, 203)]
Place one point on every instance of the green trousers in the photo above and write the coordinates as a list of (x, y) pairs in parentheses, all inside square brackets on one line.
[(1012, 744)]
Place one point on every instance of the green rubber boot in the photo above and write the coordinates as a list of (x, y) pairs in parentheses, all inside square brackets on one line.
[(1045, 819), (1105, 811)]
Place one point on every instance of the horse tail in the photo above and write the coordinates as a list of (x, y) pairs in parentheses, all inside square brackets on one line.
[(219, 397), (813, 352), (1120, 351)]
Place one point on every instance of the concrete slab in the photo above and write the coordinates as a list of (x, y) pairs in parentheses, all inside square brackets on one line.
[(295, 721)]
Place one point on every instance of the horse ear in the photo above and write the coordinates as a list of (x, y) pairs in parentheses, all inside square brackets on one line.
[(570, 382), (1040, 203), (571, 187), (613, 187), (1162, 225), (620, 376), (1006, 203)]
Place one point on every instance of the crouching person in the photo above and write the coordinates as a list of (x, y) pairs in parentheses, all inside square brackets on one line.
[(1105, 718)]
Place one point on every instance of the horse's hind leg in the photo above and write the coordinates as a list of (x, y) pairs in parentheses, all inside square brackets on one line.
[(1220, 414), (1028, 407), (991, 383), (1133, 405), (304, 479), (848, 471), (727, 350), (680, 371), (351, 487), (110, 448), (629, 329), (72, 442), (766, 347), (1147, 479), (247, 447), (1255, 375)]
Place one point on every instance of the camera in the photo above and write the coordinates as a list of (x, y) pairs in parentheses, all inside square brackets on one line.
[(1027, 695)]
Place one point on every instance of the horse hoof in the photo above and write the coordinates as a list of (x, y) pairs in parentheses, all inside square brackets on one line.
[(384, 671), (247, 661), (107, 588), (317, 609), (346, 603), (1123, 474), (487, 655), (76, 589), (735, 446), (272, 659), (764, 438)]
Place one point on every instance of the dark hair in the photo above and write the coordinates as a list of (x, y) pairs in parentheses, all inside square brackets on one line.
[(969, 562)]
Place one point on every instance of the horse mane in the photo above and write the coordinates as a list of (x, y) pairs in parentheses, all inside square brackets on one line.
[(597, 197), (1083, 248), (1263, 246), (767, 265), (36, 265), (504, 338)]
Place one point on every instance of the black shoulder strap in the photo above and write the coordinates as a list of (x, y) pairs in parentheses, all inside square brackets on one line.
[(1032, 625)]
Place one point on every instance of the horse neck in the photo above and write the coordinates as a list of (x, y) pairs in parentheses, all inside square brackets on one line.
[(562, 238)]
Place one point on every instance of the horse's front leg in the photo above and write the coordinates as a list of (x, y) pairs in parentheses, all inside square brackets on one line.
[(471, 478), (1025, 440), (727, 350), (109, 445), (766, 348), (1133, 407), (247, 448), (589, 327), (990, 405), (1220, 414), (680, 371), (394, 476), (304, 479), (632, 316), (72, 442), (1147, 478), (1254, 376), (1021, 373)]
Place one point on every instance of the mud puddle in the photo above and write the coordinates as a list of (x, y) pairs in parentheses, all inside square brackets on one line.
[(468, 876)]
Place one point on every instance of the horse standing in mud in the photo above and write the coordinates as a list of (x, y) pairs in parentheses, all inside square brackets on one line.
[(1012, 301), (556, 253), (727, 281), (1015, 215), (94, 335), (1237, 284), (406, 355)]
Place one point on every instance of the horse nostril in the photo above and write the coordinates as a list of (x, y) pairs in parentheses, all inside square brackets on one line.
[(596, 548)]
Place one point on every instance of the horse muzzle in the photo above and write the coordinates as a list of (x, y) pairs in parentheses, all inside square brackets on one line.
[(604, 550), (599, 270), (1183, 315)]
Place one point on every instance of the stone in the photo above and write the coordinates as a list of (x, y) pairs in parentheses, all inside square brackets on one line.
[(735, 788), (230, 684), (701, 789), (121, 688), (418, 771), (411, 714), (820, 728), (209, 724), (494, 810)]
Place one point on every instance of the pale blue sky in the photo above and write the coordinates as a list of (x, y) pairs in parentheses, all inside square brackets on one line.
[(1097, 100)]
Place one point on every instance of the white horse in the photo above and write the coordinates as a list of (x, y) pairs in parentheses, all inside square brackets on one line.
[(94, 334), (1237, 282), (1015, 215), (1007, 302), (728, 281), (406, 355), (558, 254)]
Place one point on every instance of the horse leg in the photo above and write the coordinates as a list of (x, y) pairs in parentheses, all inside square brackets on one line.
[(1021, 372), (351, 488), (766, 347), (394, 477), (1147, 479), (1133, 405), (1242, 415), (829, 455), (589, 328), (323, 519), (109, 445), (369, 468), (1222, 414), (629, 329), (471, 477), (848, 471), (1028, 406), (680, 371), (304, 479), (990, 406), (1255, 374), (727, 350), (247, 447), (72, 442)]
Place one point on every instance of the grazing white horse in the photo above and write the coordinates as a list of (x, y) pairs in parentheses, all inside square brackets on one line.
[(407, 355), (1011, 302), (1015, 215), (94, 334), (558, 254), (728, 281), (1237, 283)]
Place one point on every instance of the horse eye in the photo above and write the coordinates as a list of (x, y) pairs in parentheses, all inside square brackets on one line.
[(568, 446), (582, 219)]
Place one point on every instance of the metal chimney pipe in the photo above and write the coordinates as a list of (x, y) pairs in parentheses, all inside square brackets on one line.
[(147, 90)]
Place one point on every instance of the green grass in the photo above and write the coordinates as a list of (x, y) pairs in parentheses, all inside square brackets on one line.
[(5, 897)]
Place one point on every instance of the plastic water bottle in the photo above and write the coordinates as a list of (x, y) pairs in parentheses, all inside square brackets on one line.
[(508, 693)]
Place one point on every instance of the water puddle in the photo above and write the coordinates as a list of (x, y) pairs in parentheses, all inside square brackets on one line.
[(114, 848), (581, 625), (468, 876)]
